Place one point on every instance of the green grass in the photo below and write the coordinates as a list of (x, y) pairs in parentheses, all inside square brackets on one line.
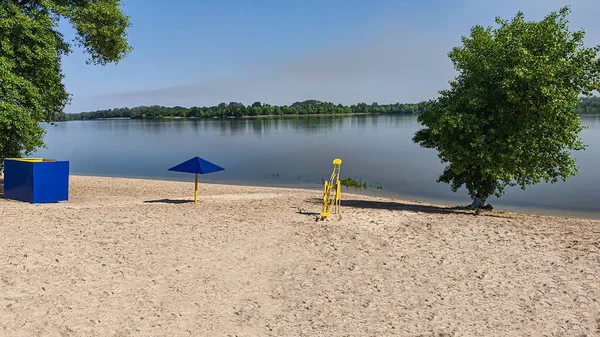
[(378, 186), (350, 183)]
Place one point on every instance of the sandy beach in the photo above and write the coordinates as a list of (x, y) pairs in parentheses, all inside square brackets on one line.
[(127, 257)]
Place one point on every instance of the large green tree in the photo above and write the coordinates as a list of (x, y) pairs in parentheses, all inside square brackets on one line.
[(31, 50), (508, 117)]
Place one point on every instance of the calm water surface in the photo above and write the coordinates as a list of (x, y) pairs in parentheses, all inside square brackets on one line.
[(298, 151)]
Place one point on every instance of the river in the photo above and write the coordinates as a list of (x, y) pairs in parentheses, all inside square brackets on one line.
[(298, 152)]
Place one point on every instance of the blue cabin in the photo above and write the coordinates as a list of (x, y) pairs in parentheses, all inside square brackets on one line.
[(36, 180)]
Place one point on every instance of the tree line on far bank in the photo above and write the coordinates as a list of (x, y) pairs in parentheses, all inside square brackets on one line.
[(589, 105), (237, 110)]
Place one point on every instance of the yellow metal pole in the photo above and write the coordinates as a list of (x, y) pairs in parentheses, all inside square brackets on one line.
[(339, 189), (196, 190)]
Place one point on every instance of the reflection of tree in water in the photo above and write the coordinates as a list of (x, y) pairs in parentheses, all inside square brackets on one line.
[(359, 122), (393, 120), (374, 122), (160, 126), (316, 124), (231, 127), (179, 124), (150, 126), (264, 126), (311, 124), (401, 120), (593, 121), (107, 125), (258, 127)]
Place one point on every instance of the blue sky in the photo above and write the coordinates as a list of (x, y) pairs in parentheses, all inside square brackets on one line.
[(199, 52)]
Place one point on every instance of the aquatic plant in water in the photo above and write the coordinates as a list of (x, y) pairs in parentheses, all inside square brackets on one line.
[(350, 183)]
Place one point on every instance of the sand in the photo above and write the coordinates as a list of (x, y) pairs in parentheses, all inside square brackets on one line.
[(130, 257)]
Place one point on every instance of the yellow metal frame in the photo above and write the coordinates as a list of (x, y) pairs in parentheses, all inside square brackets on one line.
[(196, 190), (32, 160), (332, 191)]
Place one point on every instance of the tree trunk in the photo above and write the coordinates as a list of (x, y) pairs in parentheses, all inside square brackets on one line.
[(478, 203)]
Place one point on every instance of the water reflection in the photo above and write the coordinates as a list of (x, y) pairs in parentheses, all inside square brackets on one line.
[(591, 121), (258, 127), (374, 148)]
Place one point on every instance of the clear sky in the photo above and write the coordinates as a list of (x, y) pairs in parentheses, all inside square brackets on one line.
[(201, 52)]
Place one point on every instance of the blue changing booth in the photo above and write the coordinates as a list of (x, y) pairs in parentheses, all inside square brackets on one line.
[(36, 180)]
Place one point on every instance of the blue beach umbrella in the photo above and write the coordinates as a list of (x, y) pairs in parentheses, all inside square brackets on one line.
[(196, 165)]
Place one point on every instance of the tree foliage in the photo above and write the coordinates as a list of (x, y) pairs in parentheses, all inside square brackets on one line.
[(509, 116), (236, 109), (31, 50)]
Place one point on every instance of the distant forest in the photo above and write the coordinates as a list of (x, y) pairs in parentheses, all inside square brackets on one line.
[(238, 110), (590, 105)]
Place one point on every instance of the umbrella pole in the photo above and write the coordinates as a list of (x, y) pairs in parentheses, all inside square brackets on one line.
[(196, 190)]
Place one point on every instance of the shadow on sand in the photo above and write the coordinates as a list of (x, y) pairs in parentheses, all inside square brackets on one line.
[(398, 206), (169, 201), (306, 212)]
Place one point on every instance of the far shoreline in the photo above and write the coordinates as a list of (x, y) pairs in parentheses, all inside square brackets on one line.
[(242, 117), (263, 116)]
